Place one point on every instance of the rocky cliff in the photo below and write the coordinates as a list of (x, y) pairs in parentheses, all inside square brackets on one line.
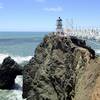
[(56, 72), (87, 86)]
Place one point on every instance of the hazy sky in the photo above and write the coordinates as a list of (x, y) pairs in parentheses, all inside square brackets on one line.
[(41, 15)]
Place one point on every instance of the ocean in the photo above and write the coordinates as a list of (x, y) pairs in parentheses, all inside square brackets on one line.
[(20, 46)]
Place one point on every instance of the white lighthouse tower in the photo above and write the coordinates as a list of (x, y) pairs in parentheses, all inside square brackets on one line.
[(59, 28)]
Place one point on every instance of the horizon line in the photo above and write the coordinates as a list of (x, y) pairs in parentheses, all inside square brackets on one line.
[(26, 31)]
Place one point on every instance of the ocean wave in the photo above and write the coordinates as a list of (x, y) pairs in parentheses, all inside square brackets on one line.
[(13, 94), (97, 51), (18, 59)]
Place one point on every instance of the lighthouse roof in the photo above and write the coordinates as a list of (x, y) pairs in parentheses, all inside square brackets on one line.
[(59, 19)]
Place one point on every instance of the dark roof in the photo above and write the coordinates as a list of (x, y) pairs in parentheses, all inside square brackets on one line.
[(59, 19)]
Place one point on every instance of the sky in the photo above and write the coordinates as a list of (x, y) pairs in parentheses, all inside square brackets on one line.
[(41, 15)]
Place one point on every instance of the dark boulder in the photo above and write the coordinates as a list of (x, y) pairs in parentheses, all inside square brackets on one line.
[(82, 43), (78, 42), (9, 69)]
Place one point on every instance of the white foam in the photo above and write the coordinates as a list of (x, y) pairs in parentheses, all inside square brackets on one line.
[(97, 51), (2, 56), (18, 59), (14, 94)]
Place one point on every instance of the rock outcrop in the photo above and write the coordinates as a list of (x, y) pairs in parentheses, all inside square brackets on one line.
[(9, 69), (87, 85), (53, 72)]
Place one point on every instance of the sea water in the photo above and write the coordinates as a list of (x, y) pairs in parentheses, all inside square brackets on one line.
[(20, 46)]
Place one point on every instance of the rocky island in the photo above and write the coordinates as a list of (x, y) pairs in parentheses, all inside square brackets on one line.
[(9, 69), (63, 68)]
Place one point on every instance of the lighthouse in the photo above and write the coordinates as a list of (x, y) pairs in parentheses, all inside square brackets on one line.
[(59, 28)]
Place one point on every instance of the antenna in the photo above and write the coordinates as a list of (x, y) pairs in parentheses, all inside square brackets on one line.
[(69, 23)]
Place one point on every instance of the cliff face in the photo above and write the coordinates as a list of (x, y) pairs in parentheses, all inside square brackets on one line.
[(87, 86), (56, 70)]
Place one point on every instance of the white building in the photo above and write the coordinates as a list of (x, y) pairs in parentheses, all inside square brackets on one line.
[(59, 29)]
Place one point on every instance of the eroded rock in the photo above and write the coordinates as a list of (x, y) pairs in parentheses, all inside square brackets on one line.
[(9, 69), (51, 74)]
